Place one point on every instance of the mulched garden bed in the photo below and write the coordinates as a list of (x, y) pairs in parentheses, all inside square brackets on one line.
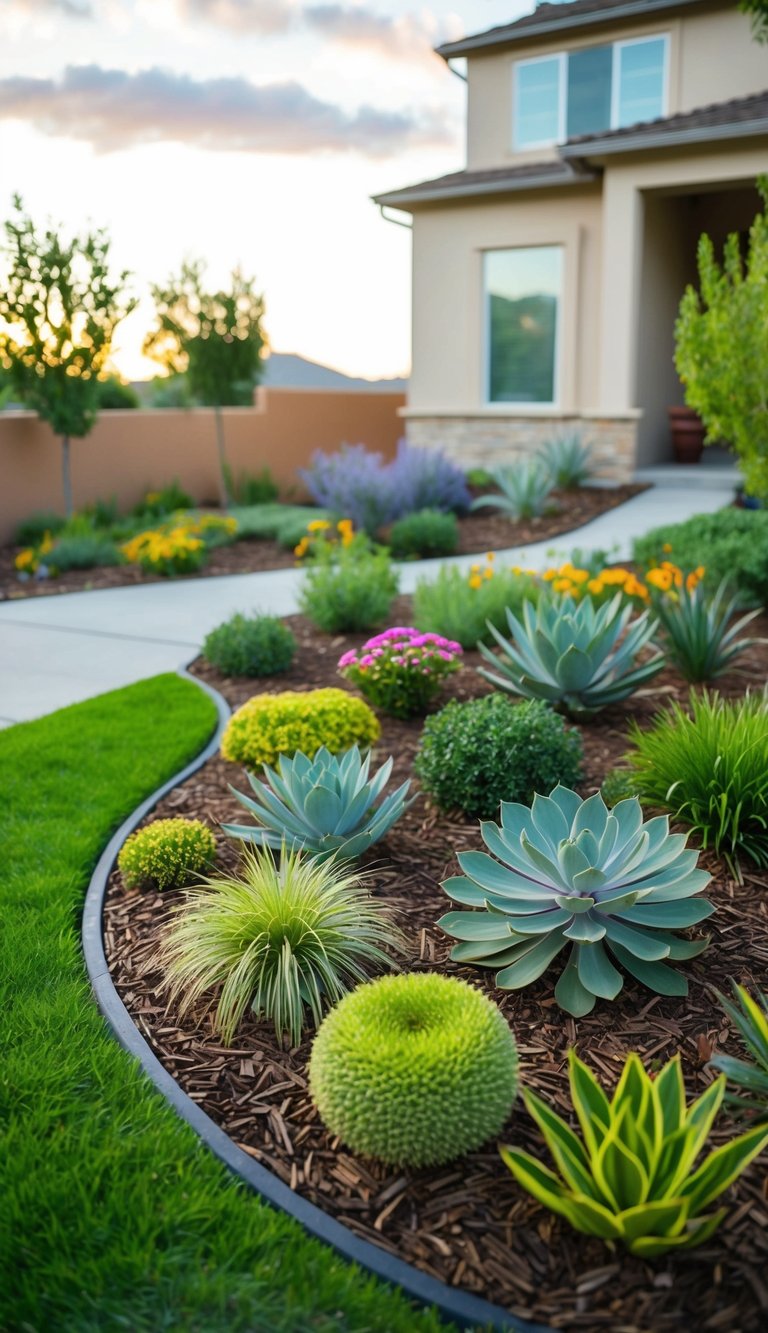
[(469, 1223), (485, 530)]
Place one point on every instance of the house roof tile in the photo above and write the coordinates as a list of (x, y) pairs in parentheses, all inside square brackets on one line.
[(556, 18), (497, 180), (739, 116)]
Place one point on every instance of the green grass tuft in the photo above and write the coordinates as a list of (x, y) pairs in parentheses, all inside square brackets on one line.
[(113, 1214)]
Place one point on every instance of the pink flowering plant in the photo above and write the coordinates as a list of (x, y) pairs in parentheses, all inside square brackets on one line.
[(401, 670)]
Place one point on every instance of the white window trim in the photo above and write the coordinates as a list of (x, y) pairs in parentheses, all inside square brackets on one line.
[(562, 85), (492, 404)]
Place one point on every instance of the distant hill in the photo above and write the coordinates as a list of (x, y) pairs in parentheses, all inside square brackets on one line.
[(286, 370)]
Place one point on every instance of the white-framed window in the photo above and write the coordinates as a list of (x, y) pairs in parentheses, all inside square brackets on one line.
[(522, 297), (593, 88)]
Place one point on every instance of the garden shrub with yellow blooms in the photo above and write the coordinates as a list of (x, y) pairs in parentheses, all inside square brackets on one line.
[(269, 725), (180, 546), (601, 587), (28, 561), (322, 536), (167, 854)]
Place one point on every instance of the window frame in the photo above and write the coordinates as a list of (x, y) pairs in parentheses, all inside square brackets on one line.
[(507, 405), (562, 87)]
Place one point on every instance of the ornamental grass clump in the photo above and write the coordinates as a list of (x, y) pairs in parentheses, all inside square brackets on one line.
[(167, 854), (415, 1070), (324, 806), (461, 606), (576, 656), (524, 491), (708, 766), (286, 939), (348, 585), (699, 638), (633, 1176), (269, 725), (250, 646), (749, 1016), (571, 875), (474, 755), (401, 670)]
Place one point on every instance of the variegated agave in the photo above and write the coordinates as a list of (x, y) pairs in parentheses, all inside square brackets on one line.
[(323, 806), (572, 654), (571, 873)]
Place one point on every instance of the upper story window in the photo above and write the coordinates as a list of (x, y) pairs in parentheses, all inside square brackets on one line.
[(583, 92)]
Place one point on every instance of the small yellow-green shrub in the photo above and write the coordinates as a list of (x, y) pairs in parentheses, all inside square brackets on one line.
[(167, 854), (273, 724)]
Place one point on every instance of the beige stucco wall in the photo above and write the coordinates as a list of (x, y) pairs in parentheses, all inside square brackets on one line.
[(129, 453), (712, 58), (448, 333)]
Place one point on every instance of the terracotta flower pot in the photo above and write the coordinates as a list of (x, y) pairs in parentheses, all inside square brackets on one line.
[(687, 434)]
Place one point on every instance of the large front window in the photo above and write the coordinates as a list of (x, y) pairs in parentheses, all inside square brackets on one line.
[(585, 91), (522, 306)]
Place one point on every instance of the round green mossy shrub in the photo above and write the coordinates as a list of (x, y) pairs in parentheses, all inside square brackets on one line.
[(250, 646), (428, 532), (475, 755), (167, 854), (269, 725), (414, 1069)]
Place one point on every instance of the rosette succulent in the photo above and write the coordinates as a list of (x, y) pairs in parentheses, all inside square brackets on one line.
[(572, 875), (325, 806), (573, 655)]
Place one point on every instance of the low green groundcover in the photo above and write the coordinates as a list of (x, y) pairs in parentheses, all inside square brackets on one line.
[(113, 1214)]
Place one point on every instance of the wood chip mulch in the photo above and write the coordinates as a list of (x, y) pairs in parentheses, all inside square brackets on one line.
[(468, 1223), (485, 530)]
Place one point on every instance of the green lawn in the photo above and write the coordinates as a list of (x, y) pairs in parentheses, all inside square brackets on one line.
[(112, 1216)]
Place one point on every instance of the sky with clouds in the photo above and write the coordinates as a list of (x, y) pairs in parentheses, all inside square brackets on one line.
[(247, 132)]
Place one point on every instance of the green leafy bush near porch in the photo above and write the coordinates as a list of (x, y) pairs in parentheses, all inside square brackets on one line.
[(114, 1214), (731, 543)]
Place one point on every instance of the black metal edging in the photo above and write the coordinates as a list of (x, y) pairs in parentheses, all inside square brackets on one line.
[(460, 1307)]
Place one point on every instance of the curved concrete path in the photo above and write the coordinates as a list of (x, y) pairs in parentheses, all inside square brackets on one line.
[(61, 649)]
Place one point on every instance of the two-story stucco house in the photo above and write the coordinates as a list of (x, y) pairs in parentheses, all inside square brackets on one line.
[(603, 136)]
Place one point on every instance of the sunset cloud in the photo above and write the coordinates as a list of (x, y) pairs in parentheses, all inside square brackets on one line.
[(113, 109), (262, 16), (78, 9)]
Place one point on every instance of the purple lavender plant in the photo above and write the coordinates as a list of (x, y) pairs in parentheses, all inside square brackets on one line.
[(426, 479)]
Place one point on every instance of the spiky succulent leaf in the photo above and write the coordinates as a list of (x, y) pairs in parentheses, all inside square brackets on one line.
[(324, 806), (700, 639), (633, 1177), (574, 655), (525, 488), (749, 1016), (568, 872)]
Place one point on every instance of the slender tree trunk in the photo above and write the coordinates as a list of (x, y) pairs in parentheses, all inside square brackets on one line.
[(66, 476), (226, 498)]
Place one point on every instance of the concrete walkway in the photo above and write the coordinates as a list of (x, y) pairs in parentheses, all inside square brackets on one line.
[(61, 649)]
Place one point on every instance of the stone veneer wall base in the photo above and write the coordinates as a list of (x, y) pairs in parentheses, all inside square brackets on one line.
[(486, 441)]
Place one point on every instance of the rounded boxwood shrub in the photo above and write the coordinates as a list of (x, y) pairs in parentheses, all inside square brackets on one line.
[(475, 755), (426, 533), (414, 1069), (269, 725), (250, 646), (167, 854)]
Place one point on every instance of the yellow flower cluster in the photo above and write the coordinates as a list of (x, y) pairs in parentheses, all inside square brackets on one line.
[(166, 854), (663, 578), (269, 725), (29, 560), (177, 547), (321, 530), (479, 574)]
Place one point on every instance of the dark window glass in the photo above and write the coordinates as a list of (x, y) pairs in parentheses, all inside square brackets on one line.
[(589, 90)]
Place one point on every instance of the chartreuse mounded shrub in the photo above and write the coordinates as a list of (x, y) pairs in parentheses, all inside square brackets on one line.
[(250, 646), (576, 656), (569, 874), (474, 755), (114, 1214), (414, 1069), (634, 1175), (749, 1016), (428, 532), (461, 606), (269, 725), (730, 544), (166, 854), (323, 806), (285, 937), (699, 634), (708, 765)]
